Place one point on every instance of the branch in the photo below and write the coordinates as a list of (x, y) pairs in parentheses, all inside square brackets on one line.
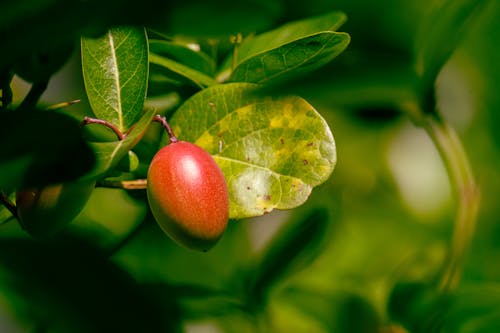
[(463, 183), (89, 120), (63, 105)]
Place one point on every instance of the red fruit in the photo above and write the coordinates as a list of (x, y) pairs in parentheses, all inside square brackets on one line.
[(188, 195)]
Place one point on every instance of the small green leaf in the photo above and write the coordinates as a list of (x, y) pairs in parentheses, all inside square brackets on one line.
[(129, 163), (294, 48), (181, 53), (109, 154), (272, 151), (36, 146), (185, 73), (179, 65), (115, 71)]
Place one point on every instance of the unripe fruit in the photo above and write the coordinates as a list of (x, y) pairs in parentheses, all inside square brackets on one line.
[(47, 210), (188, 195)]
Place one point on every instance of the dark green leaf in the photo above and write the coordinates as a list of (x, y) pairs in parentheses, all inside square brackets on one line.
[(294, 48), (271, 151), (291, 251), (221, 18), (75, 289), (418, 306), (341, 312), (115, 71), (109, 154), (475, 308), (441, 33), (36, 147)]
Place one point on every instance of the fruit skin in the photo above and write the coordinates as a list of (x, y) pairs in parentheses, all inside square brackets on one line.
[(188, 195), (47, 210)]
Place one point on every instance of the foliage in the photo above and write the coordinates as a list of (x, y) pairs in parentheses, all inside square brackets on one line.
[(381, 242)]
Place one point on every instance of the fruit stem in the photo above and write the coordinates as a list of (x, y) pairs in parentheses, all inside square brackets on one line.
[(164, 123), (88, 120), (4, 199)]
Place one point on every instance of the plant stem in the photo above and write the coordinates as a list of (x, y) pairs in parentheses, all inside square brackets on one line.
[(4, 199), (236, 41), (163, 121), (63, 105), (467, 195), (464, 185), (137, 184), (89, 120)]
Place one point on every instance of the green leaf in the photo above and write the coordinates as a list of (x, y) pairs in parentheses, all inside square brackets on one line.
[(272, 151), (36, 146), (178, 64), (441, 33), (181, 53), (187, 74), (115, 71), (294, 48), (109, 154)]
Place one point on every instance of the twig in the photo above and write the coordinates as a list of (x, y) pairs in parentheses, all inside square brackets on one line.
[(4, 199), (89, 120), (137, 184), (63, 105)]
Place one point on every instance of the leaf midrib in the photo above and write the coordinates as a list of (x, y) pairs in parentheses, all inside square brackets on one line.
[(117, 80)]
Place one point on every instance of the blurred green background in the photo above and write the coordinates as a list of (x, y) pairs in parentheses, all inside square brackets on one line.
[(352, 259)]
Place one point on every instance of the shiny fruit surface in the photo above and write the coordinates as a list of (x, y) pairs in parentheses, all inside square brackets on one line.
[(45, 211), (188, 195)]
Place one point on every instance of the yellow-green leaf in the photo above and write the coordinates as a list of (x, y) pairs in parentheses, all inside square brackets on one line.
[(272, 151)]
